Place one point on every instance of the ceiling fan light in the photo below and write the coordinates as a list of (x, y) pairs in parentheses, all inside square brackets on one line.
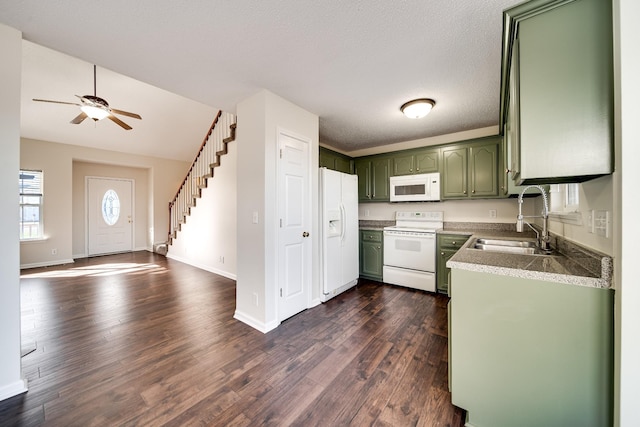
[(95, 113), (417, 108)]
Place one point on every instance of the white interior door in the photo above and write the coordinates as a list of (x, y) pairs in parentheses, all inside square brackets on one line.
[(294, 243), (109, 215)]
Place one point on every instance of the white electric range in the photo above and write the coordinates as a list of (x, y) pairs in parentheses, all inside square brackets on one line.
[(410, 250)]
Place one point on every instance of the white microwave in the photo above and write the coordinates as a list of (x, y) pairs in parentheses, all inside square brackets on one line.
[(415, 188)]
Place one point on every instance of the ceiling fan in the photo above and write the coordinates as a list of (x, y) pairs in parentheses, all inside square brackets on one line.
[(96, 108)]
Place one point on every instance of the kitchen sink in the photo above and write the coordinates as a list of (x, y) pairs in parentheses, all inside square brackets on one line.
[(504, 242), (524, 247)]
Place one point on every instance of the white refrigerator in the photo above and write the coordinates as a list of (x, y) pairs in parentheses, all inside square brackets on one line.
[(339, 232)]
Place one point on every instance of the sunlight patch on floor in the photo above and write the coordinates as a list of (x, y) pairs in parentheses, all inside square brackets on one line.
[(97, 270)]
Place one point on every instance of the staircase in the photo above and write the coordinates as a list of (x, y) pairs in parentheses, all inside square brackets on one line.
[(221, 132)]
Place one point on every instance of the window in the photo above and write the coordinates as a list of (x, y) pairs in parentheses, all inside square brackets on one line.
[(564, 203), (30, 205)]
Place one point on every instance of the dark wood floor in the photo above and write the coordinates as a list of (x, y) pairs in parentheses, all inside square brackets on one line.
[(138, 339)]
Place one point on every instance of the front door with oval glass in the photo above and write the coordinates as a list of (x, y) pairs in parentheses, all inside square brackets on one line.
[(109, 216)]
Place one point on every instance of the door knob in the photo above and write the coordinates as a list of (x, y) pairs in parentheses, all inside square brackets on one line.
[(305, 234)]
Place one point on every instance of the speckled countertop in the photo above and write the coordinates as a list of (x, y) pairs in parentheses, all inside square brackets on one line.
[(571, 263)]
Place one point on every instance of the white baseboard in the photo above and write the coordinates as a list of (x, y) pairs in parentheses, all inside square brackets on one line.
[(254, 323), (13, 389), (203, 267), (46, 263)]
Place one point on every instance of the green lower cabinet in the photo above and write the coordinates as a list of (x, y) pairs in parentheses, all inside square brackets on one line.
[(530, 353), (447, 246), (371, 254)]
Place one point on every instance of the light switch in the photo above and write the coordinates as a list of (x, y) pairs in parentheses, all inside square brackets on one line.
[(255, 217), (601, 223)]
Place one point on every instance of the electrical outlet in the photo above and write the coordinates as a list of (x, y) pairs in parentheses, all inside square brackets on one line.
[(493, 213), (54, 251)]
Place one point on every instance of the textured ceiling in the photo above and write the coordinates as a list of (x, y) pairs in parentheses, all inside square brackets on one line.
[(353, 63)]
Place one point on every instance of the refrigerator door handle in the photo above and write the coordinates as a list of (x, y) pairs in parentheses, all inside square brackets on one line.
[(343, 219)]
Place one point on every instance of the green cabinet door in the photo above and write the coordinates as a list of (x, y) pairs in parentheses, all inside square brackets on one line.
[(326, 159), (415, 162), (564, 74), (334, 160), (371, 253), (483, 169), (342, 164), (427, 161), (380, 171), (442, 275), (362, 168), (454, 172), (403, 164), (447, 245), (472, 169)]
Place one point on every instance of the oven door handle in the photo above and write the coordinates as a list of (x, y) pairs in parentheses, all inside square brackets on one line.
[(426, 236)]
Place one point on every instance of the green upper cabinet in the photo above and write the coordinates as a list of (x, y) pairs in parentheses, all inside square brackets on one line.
[(415, 162), (336, 161), (558, 64), (373, 178), (471, 169), (454, 172)]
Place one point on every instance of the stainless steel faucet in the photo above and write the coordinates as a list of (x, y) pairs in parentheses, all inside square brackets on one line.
[(543, 240)]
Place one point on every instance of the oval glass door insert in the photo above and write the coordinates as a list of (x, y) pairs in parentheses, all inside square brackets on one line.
[(110, 207)]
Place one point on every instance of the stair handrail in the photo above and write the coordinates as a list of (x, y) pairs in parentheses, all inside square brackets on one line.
[(204, 142)]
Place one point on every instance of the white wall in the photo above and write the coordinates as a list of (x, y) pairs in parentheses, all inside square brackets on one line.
[(56, 162), (259, 118), (208, 239), (454, 210), (11, 382), (627, 206)]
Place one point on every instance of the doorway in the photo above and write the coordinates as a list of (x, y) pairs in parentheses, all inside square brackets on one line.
[(109, 215)]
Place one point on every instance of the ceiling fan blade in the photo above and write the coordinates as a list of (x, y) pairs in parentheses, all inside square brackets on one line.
[(126, 113), (79, 118), (119, 122), (55, 102)]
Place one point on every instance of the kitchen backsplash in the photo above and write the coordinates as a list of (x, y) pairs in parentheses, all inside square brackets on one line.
[(486, 210)]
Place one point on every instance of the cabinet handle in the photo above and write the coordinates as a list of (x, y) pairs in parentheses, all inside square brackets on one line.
[(442, 253), (507, 170), (410, 169), (417, 169), (453, 243), (379, 247), (464, 192), (473, 191)]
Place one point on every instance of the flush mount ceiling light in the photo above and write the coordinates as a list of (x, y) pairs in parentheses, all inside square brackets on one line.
[(417, 108)]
